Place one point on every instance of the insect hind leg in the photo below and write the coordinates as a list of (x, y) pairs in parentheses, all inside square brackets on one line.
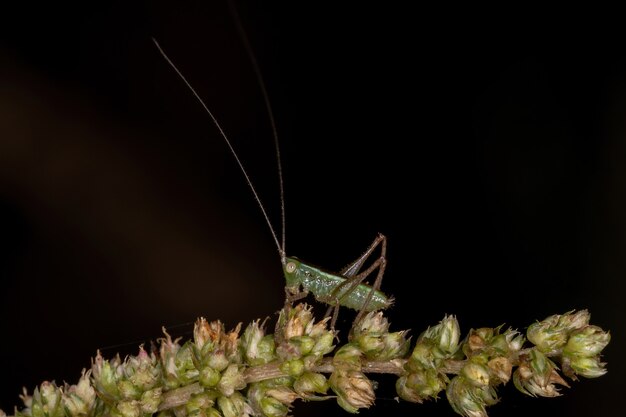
[(354, 279)]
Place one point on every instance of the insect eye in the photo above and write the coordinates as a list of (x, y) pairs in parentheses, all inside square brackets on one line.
[(290, 267)]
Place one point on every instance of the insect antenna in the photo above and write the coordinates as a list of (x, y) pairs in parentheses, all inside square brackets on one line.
[(268, 106), (230, 146)]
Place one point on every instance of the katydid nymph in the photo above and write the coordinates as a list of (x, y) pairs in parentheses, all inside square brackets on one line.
[(346, 288)]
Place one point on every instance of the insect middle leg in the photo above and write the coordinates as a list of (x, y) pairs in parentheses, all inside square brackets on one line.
[(354, 279)]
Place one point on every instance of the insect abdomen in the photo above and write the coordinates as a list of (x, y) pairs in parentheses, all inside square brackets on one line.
[(322, 284)]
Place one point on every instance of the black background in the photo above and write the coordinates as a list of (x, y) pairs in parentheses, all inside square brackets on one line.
[(487, 144)]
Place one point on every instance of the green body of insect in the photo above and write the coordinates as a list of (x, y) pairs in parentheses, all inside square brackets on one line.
[(329, 288)]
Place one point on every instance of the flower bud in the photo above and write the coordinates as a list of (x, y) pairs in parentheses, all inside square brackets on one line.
[(514, 339), (198, 402), (469, 400), (396, 346), (371, 345), (444, 335), (422, 357), (309, 383), (372, 323), (552, 333), (217, 360), (348, 357), (168, 353), (46, 401), (575, 320), (292, 322), (150, 401), (209, 377), (315, 330), (271, 407), (204, 333), (79, 399), (258, 348), (129, 408), (127, 390), (537, 376), (353, 390), (420, 385), (407, 393), (476, 374), (501, 368), (232, 380), (294, 367), (588, 341), (234, 405), (587, 367), (305, 344), (283, 394), (323, 344), (105, 376)]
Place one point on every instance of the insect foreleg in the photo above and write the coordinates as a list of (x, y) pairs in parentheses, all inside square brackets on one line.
[(292, 295)]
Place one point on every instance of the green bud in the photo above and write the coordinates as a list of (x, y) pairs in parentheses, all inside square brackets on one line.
[(348, 357), (127, 390), (310, 382), (293, 322), (150, 401), (105, 375), (476, 374), (294, 367), (258, 348), (232, 380), (575, 320), (537, 375), (271, 407), (514, 339), (469, 400), (305, 344), (142, 370), (547, 339), (323, 344), (283, 394), (541, 367), (396, 346), (129, 408), (353, 390), (266, 349), (236, 406), (551, 334), (209, 377), (217, 360), (501, 368), (407, 393), (203, 333), (420, 385), (422, 356), (79, 399), (444, 335), (588, 341), (46, 401), (315, 330), (372, 323), (370, 344), (199, 402), (587, 367)]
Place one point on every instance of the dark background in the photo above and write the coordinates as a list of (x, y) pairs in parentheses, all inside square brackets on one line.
[(489, 150)]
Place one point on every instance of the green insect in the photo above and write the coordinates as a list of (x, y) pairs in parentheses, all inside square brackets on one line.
[(346, 288)]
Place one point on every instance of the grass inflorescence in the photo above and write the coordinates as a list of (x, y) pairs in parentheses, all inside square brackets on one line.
[(223, 373)]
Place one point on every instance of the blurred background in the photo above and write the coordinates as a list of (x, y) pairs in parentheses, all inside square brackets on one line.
[(489, 151)]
